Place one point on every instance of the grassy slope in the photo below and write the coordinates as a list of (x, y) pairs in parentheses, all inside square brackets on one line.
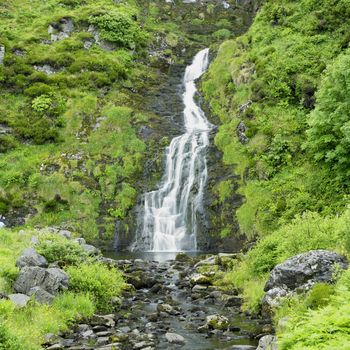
[(92, 286), (66, 173), (56, 168), (294, 170)]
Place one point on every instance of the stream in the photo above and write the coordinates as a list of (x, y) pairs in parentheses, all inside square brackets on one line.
[(172, 301), (168, 308)]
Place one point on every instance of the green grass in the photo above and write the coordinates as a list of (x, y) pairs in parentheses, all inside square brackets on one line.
[(92, 288)]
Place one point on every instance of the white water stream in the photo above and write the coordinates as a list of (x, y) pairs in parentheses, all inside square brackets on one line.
[(169, 222)]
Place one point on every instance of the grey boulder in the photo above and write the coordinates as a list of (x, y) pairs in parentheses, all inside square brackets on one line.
[(41, 295), (268, 342), (52, 280), (30, 257), (20, 300), (304, 270), (174, 338)]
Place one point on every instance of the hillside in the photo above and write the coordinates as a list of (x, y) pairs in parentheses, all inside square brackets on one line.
[(281, 94), (94, 96)]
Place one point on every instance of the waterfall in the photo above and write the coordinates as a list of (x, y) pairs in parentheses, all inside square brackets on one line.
[(170, 212)]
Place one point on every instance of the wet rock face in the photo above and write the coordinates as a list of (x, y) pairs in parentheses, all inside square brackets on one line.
[(171, 314)]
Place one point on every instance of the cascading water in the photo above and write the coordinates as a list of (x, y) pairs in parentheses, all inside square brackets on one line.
[(170, 213)]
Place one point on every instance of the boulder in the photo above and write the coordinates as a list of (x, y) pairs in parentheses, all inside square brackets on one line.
[(20, 300), (304, 270), (90, 249), (183, 257), (41, 295), (211, 260), (174, 338), (268, 342), (51, 280), (30, 257), (167, 309), (217, 322), (242, 347), (199, 279)]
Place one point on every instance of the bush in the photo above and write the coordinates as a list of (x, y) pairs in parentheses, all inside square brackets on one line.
[(57, 248), (119, 28), (329, 124), (98, 280)]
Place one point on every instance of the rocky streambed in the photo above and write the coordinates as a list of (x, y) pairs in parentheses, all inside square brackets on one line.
[(168, 305)]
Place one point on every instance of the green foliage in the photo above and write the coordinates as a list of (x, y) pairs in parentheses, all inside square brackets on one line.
[(321, 328), (119, 28), (28, 326), (55, 247), (98, 280), (329, 132), (8, 341)]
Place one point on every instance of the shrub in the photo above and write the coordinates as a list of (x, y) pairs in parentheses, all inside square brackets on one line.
[(98, 280), (119, 28), (57, 248), (329, 125)]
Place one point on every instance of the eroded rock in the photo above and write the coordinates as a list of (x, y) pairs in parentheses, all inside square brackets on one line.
[(30, 257), (304, 270), (51, 280)]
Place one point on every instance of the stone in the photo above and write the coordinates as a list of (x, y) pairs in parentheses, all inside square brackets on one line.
[(304, 270), (90, 249), (65, 233), (103, 320), (46, 68), (242, 347), (102, 341), (167, 309), (57, 346), (174, 338), (51, 280), (267, 342), (2, 54), (218, 322), (211, 260), (34, 240), (200, 279), (60, 30), (233, 301), (198, 288), (20, 300), (272, 299), (182, 257), (241, 132), (30, 257), (79, 240), (41, 295)]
